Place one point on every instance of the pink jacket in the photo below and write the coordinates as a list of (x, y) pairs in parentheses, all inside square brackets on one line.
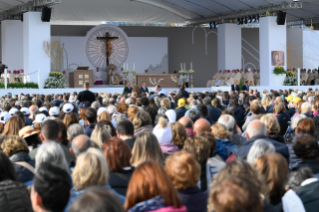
[(171, 209)]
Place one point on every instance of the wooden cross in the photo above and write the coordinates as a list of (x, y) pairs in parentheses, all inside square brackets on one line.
[(107, 40)]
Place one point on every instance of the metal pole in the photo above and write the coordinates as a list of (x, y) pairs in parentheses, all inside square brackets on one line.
[(298, 76)]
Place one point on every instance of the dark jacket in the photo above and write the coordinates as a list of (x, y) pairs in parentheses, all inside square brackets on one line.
[(23, 174), (128, 90), (214, 113), (86, 96), (229, 145), (239, 115), (292, 112), (14, 197), (194, 199), (293, 159), (180, 112), (57, 102), (313, 164), (238, 140), (309, 195), (242, 151), (89, 129), (130, 142), (119, 180), (245, 88), (184, 93), (316, 120), (269, 109), (28, 121), (278, 138), (144, 90), (283, 123)]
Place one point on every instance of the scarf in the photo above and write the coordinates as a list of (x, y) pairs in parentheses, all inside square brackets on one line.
[(149, 205), (169, 148)]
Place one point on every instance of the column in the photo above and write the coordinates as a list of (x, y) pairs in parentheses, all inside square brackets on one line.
[(272, 37), (12, 44), (35, 33), (229, 46)]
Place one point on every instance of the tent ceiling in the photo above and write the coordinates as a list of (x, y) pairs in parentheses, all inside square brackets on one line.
[(170, 11)]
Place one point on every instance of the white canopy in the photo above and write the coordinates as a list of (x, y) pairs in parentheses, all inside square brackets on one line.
[(169, 11)]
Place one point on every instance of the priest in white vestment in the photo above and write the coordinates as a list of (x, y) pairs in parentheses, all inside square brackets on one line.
[(98, 77)]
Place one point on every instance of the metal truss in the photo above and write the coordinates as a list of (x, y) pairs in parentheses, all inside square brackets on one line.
[(303, 22), (34, 5), (257, 11)]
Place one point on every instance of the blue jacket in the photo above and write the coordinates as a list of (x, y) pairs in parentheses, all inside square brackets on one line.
[(57, 102), (221, 150), (242, 151), (194, 199), (283, 123), (180, 112), (230, 146), (270, 109), (23, 173), (89, 129), (239, 114), (75, 194), (28, 121), (214, 113)]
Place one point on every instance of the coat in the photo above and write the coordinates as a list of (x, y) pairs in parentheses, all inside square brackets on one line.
[(180, 112), (119, 180), (316, 120), (147, 128), (283, 123), (23, 174), (214, 113), (194, 199), (14, 197), (313, 164), (293, 159), (309, 195)]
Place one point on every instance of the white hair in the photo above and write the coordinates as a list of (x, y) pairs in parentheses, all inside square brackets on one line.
[(228, 121), (300, 92), (52, 152), (128, 101), (259, 148), (111, 109), (310, 99), (296, 120), (306, 107), (256, 128)]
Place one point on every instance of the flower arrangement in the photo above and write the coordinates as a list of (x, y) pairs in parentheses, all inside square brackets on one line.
[(16, 71), (55, 80), (191, 71), (182, 72), (133, 72), (22, 71), (290, 73), (8, 71), (290, 80), (20, 85), (125, 72), (64, 72), (279, 70)]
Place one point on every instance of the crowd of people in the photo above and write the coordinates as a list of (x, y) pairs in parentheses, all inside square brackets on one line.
[(160, 151)]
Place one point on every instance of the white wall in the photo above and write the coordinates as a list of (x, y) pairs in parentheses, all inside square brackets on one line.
[(229, 47), (310, 49), (12, 44)]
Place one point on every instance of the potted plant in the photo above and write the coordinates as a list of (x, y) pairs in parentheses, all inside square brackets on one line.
[(279, 75)]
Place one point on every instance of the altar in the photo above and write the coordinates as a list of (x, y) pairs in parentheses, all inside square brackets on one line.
[(13, 77), (151, 80)]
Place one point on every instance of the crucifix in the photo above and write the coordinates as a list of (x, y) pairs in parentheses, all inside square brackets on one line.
[(108, 45)]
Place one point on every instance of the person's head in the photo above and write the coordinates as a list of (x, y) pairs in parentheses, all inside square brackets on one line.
[(80, 144), (306, 108), (75, 130), (100, 135), (146, 147), (179, 134), (132, 111), (53, 153), (158, 88), (125, 130), (97, 199), (103, 116), (51, 188), (274, 168), (86, 85), (194, 115), (13, 126), (186, 122), (306, 125), (141, 119), (296, 120), (228, 121), (165, 103), (201, 125), (90, 115), (91, 170), (255, 107), (295, 178), (117, 154), (256, 128), (219, 131), (305, 146), (50, 131), (70, 118), (235, 194), (20, 115), (128, 84), (14, 144), (271, 122), (7, 171), (183, 170), (259, 148), (199, 147), (150, 180), (279, 107)]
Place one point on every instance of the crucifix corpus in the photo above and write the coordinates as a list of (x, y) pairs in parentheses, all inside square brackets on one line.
[(108, 45)]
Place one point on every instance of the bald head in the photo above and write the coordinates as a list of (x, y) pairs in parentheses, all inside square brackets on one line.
[(186, 122), (201, 125), (256, 128), (279, 99), (33, 109), (80, 144)]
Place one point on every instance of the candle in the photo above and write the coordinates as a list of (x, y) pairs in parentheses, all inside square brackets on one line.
[(298, 76), (181, 66), (39, 79), (184, 66), (5, 80), (133, 66), (191, 65)]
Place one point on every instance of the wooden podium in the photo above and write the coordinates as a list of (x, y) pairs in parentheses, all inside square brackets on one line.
[(79, 77), (164, 80)]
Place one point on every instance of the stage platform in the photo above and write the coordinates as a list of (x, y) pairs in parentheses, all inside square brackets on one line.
[(119, 89)]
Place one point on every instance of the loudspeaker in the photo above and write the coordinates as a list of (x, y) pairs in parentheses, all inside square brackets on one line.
[(46, 14), (22, 17), (281, 18)]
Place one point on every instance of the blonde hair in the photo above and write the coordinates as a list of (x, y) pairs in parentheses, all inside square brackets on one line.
[(141, 119), (165, 103), (132, 111), (146, 148), (104, 116), (14, 144), (271, 122), (266, 101), (13, 126), (100, 134), (91, 170), (199, 147), (279, 107), (220, 132)]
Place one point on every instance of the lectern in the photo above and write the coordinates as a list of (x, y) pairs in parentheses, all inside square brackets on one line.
[(83, 76)]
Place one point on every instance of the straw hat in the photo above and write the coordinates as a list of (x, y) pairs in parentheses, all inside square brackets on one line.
[(28, 131)]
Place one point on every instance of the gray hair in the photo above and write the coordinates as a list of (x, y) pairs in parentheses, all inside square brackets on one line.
[(75, 130), (111, 109), (52, 152), (259, 148), (296, 120), (207, 100), (120, 118), (86, 144), (128, 101), (96, 105), (194, 102), (256, 128), (157, 101), (228, 121), (162, 111), (306, 107)]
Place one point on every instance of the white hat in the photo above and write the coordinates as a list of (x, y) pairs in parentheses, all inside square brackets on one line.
[(101, 110), (163, 135), (4, 117), (68, 108), (25, 111), (171, 114), (72, 99), (13, 111), (39, 118), (54, 111), (43, 109)]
